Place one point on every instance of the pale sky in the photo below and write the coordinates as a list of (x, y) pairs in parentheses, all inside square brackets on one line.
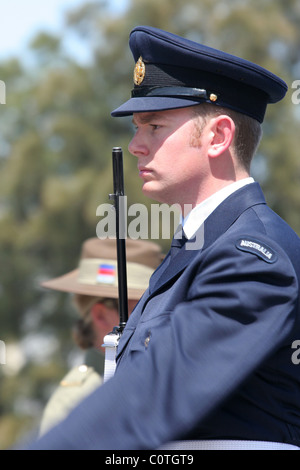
[(21, 20)]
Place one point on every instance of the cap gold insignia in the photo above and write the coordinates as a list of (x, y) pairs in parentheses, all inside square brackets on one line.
[(213, 97), (139, 72)]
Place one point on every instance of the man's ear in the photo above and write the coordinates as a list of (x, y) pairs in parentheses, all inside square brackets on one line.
[(221, 133)]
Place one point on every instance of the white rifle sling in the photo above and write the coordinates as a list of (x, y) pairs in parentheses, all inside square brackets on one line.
[(110, 344)]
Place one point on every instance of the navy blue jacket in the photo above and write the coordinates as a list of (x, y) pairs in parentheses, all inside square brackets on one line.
[(207, 353)]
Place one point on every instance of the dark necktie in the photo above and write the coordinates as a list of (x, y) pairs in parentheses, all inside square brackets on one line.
[(178, 241)]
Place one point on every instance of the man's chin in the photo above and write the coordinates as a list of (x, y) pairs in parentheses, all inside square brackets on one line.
[(150, 192)]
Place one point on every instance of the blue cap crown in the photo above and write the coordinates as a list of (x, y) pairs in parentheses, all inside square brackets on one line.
[(172, 72)]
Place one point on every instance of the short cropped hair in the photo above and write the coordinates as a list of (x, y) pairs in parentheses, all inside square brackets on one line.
[(248, 131)]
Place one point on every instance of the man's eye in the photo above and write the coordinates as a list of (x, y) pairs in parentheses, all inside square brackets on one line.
[(155, 126)]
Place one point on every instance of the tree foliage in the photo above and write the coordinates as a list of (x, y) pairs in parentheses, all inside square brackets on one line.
[(56, 136)]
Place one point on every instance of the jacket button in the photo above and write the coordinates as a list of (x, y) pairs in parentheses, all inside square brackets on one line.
[(147, 341)]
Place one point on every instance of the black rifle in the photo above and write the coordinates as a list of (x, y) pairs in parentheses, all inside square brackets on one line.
[(118, 197)]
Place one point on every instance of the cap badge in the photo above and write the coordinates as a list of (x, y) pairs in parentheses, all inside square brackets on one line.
[(139, 72)]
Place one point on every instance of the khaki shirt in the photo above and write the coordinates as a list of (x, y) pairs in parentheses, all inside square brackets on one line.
[(73, 388)]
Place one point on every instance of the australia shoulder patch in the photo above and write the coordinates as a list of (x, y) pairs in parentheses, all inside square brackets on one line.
[(256, 247)]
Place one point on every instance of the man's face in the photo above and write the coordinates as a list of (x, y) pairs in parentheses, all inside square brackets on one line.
[(169, 163), (105, 318)]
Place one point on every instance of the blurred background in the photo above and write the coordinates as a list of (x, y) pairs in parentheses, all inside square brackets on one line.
[(66, 65)]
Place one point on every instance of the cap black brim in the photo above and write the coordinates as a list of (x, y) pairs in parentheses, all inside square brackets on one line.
[(151, 104)]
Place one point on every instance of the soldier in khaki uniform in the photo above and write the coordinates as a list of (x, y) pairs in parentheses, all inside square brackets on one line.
[(95, 287)]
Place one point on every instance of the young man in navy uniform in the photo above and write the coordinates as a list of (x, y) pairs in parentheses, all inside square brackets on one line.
[(205, 360)]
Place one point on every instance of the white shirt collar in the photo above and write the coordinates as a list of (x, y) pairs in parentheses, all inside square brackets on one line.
[(199, 214)]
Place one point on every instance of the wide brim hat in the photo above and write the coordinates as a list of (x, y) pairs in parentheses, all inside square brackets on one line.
[(173, 72), (96, 274)]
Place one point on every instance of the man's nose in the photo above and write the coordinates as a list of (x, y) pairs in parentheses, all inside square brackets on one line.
[(137, 146)]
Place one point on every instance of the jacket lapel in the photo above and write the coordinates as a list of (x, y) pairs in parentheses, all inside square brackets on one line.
[(169, 269)]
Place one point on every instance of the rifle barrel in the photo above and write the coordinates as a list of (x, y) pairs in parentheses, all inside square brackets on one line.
[(118, 177)]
